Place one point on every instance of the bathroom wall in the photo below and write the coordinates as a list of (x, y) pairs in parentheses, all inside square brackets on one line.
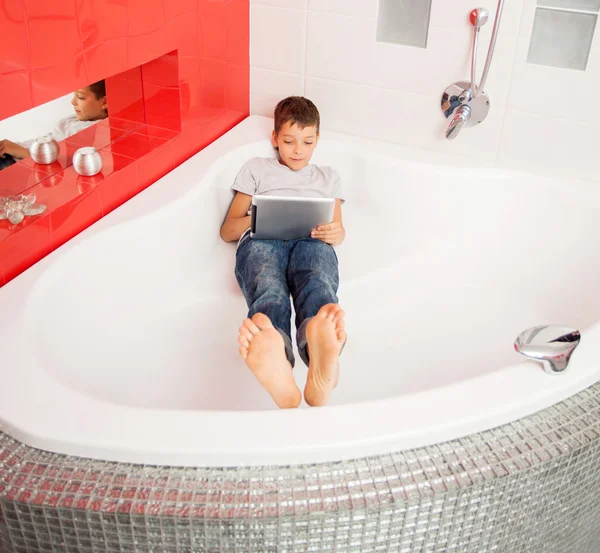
[(195, 58), (542, 119)]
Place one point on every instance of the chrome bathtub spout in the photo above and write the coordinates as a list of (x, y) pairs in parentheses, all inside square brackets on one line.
[(463, 113), (552, 345)]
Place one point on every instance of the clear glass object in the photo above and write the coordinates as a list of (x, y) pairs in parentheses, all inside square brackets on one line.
[(15, 208)]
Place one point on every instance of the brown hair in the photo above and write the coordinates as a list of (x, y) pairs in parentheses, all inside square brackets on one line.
[(99, 89), (298, 110)]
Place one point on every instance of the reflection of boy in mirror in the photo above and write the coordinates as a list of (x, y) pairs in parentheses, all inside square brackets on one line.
[(90, 107)]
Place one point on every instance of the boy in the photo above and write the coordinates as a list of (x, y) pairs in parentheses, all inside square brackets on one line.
[(268, 271), (90, 107)]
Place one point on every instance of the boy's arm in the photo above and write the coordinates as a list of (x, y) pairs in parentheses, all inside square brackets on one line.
[(237, 220), (13, 149), (333, 233)]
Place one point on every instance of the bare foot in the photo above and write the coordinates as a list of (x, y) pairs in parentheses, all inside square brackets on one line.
[(325, 336), (263, 350)]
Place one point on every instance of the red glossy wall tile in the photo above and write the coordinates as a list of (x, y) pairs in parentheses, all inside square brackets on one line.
[(102, 22), (125, 96), (14, 33), (115, 191), (98, 58), (162, 106), (15, 93), (112, 163), (22, 249), (65, 159), (97, 136), (53, 32), (175, 9), (70, 219), (213, 74), (15, 179), (134, 145), (162, 71), (156, 164), (177, 76), (54, 81)]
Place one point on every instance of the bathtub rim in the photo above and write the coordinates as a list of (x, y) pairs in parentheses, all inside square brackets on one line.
[(156, 436)]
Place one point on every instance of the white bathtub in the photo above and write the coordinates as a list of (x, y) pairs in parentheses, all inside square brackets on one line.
[(122, 344)]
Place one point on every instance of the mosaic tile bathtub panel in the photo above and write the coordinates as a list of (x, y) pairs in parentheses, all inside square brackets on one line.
[(532, 486)]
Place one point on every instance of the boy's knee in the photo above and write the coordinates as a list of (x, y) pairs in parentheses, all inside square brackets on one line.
[(271, 285)]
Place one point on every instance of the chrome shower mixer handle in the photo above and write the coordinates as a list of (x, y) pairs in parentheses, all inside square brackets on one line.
[(470, 94)]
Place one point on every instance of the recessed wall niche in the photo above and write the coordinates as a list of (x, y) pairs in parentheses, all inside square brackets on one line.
[(562, 34), (141, 98), (404, 22)]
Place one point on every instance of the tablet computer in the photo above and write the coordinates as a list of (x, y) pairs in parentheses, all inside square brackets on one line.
[(288, 217)]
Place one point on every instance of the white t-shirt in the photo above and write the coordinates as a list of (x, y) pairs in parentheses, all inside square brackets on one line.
[(64, 129), (267, 176)]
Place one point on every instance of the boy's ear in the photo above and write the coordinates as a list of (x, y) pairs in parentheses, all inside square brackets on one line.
[(274, 139), (103, 104)]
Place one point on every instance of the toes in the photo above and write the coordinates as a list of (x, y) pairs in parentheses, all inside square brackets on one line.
[(249, 324), (244, 342), (243, 352), (339, 316), (246, 333), (261, 321), (329, 311), (341, 336)]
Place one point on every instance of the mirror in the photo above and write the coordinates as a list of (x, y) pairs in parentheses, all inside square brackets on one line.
[(75, 120)]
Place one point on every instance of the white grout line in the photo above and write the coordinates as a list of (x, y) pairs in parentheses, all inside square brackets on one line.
[(305, 50)]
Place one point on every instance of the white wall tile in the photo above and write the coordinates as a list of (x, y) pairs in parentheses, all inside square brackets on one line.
[(455, 15), (371, 112), (363, 60), (429, 71), (390, 92), (297, 4), (527, 17), (561, 38), (549, 145), (355, 8), (394, 116), (268, 87), (277, 38), (404, 22), (554, 91)]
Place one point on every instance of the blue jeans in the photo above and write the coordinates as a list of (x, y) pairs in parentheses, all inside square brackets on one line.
[(7, 161), (268, 271)]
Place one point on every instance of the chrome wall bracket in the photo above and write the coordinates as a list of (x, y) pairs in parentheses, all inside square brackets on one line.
[(465, 103), (463, 108), (552, 345)]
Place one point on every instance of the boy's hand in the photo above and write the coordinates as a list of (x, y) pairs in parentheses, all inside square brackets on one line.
[(15, 150), (333, 233)]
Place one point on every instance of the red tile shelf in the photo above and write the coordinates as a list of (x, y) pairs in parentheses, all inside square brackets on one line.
[(177, 78), (74, 202)]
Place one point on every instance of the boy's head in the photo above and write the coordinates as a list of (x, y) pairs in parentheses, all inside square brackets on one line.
[(89, 102), (296, 132)]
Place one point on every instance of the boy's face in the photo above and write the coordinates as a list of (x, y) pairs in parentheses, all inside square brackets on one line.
[(296, 145), (87, 106)]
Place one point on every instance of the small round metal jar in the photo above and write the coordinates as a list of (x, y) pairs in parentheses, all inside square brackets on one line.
[(87, 161), (44, 150)]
